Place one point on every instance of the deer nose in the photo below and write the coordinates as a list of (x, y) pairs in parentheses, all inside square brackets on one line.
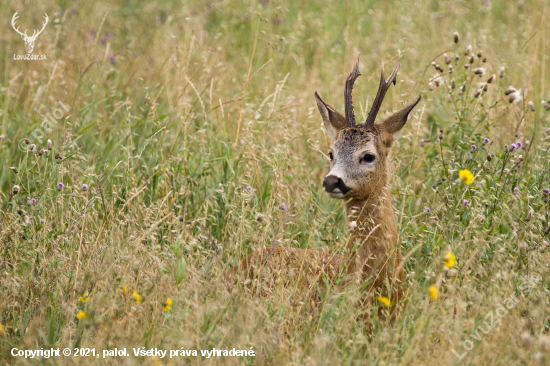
[(334, 184)]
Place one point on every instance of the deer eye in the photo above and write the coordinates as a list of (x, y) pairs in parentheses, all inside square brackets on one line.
[(368, 158), (330, 155)]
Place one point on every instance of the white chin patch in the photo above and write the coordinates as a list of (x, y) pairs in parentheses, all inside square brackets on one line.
[(335, 194)]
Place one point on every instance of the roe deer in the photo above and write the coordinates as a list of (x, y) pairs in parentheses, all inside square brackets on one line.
[(359, 174)]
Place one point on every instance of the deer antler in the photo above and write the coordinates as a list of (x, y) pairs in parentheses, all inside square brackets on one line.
[(382, 89), (350, 117), (13, 24), (35, 35)]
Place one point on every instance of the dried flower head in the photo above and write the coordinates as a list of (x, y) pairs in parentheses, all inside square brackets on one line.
[(16, 189), (531, 106), (14, 169), (501, 75), (456, 37), (468, 50), (447, 59), (50, 145)]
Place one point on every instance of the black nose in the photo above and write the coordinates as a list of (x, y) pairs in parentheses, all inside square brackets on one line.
[(334, 184)]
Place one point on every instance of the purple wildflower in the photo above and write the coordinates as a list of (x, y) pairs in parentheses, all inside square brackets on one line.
[(519, 144), (248, 188), (547, 191), (516, 190), (42, 221), (473, 147), (60, 186), (283, 207), (513, 147), (465, 202), (84, 187), (105, 38), (427, 211), (486, 140)]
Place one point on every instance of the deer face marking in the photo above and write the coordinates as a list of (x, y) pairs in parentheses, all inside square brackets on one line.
[(358, 155), (354, 164)]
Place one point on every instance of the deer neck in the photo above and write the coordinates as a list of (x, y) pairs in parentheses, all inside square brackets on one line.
[(374, 237)]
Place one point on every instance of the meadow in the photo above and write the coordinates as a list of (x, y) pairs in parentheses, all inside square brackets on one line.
[(185, 134)]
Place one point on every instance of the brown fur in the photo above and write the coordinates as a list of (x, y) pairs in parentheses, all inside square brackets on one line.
[(374, 258)]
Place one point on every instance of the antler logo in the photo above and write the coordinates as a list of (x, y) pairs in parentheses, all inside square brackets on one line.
[(29, 40)]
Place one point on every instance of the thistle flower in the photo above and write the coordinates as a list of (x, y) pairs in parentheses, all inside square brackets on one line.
[(547, 191), (451, 68), (14, 169), (283, 207), (384, 300), (84, 187), (466, 176), (490, 80), (248, 188), (501, 75), (60, 186), (531, 106), (453, 84), (480, 54), (467, 66), (519, 144), (16, 189), (456, 37), (167, 304), (137, 297), (515, 97), (42, 221), (433, 293), (32, 147), (510, 90), (449, 98), (468, 50), (465, 202), (513, 147), (472, 59), (352, 225), (427, 211), (516, 190), (447, 59), (81, 315), (486, 140), (473, 147), (49, 144), (477, 93), (450, 259), (479, 71)]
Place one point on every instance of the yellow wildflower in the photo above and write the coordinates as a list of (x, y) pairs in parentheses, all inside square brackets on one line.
[(166, 305), (466, 176), (432, 291), (2, 329), (84, 297), (137, 297), (450, 260), (81, 315), (124, 290), (384, 300)]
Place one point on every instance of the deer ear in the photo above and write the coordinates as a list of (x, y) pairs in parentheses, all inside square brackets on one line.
[(333, 120), (395, 123)]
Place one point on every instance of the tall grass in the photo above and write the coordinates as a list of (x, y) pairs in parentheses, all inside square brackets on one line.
[(193, 122)]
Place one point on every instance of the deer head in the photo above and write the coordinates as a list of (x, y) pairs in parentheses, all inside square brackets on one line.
[(359, 154), (29, 40)]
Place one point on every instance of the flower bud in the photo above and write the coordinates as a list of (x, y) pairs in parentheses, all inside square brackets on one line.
[(490, 80), (531, 106), (456, 37)]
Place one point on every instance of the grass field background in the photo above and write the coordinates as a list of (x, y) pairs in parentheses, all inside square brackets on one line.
[(192, 123)]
